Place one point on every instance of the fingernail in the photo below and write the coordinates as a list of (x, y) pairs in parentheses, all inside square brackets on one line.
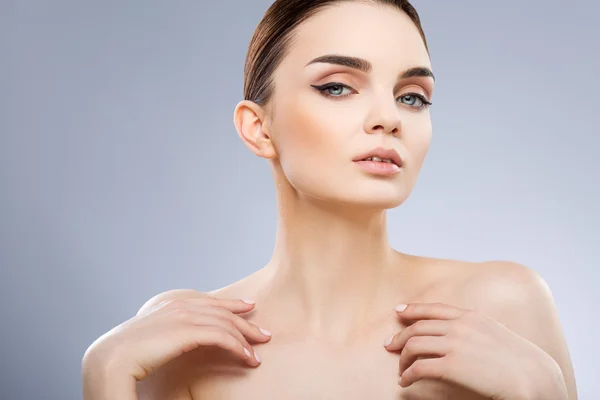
[(257, 357), (266, 332), (388, 341), (401, 307), (249, 301), (247, 352)]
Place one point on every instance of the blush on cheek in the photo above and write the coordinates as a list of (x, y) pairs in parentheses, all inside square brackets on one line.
[(307, 131), (316, 141)]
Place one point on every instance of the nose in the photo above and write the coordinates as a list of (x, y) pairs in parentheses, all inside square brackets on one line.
[(384, 117)]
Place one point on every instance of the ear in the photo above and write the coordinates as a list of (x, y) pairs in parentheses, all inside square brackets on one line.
[(250, 122)]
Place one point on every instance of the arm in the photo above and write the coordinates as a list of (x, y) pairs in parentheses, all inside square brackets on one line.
[(99, 384)]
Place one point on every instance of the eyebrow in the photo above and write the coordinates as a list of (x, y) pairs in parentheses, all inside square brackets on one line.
[(366, 67)]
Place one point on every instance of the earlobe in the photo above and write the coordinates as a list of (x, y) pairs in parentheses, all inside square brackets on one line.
[(249, 121)]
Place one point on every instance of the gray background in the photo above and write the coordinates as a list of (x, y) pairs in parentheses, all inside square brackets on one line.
[(121, 173)]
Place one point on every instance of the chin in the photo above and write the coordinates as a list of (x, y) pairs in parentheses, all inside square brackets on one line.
[(354, 193), (381, 195), (367, 199), (380, 203)]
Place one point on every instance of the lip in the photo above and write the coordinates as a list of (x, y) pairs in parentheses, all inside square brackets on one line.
[(381, 152)]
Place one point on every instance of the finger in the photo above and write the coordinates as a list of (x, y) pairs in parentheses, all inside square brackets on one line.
[(419, 328), (416, 311), (422, 346), (226, 325), (247, 328), (216, 336), (236, 306), (427, 368)]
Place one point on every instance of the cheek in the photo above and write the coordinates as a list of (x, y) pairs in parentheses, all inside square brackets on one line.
[(424, 140), (417, 144), (310, 136), (314, 145)]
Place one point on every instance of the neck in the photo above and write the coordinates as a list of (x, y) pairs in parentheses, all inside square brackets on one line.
[(331, 265)]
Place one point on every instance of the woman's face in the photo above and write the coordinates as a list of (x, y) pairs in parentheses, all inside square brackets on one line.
[(316, 135)]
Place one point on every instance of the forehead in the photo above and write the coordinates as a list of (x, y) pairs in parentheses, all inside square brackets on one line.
[(382, 34)]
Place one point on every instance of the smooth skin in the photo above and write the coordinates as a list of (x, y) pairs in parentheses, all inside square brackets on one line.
[(165, 328), (329, 291)]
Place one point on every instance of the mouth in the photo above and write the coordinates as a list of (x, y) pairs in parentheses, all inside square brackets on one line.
[(382, 155)]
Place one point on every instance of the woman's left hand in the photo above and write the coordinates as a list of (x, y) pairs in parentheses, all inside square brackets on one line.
[(473, 351)]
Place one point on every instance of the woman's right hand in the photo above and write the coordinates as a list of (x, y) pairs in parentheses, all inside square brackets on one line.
[(171, 328)]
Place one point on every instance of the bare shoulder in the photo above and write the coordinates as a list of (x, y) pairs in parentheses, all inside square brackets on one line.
[(172, 380), (238, 289), (500, 286), (511, 293), (519, 298), (489, 286)]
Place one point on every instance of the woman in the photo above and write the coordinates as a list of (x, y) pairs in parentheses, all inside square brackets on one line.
[(337, 97)]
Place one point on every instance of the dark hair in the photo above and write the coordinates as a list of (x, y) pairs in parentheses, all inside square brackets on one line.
[(274, 33)]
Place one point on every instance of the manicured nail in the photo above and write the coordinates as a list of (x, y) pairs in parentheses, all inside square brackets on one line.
[(257, 357), (266, 332), (388, 341), (249, 301), (401, 307), (247, 352)]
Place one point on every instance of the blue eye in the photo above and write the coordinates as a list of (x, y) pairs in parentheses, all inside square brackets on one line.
[(335, 90), (424, 102), (338, 87)]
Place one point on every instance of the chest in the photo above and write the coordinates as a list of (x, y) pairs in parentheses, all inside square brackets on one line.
[(294, 369), (311, 371), (300, 370)]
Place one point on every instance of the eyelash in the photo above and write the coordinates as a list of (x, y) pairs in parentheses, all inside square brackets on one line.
[(323, 88)]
